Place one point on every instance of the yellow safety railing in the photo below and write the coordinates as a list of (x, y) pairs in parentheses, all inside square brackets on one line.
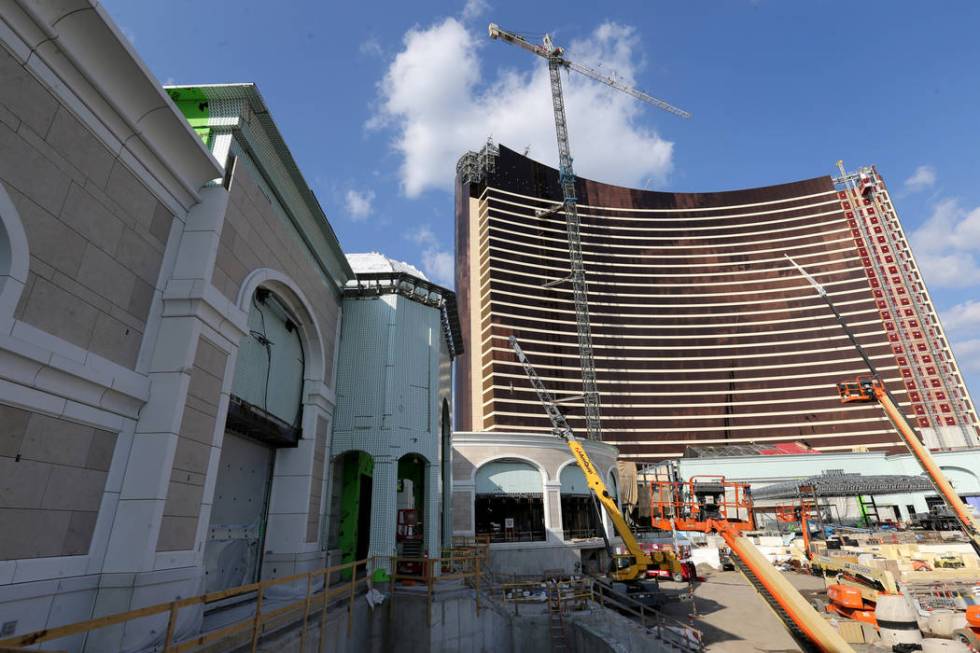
[(321, 600), (326, 588), (465, 566)]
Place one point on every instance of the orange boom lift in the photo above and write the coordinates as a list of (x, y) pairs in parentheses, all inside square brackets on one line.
[(871, 389)]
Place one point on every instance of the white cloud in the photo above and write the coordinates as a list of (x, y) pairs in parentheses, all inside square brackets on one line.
[(967, 354), (924, 177), (474, 9), (359, 204), (946, 245), (962, 318), (439, 266), (440, 106), (423, 236), (437, 262), (371, 47), (963, 321)]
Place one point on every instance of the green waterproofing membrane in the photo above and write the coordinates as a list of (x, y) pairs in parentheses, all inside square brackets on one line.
[(355, 465), (194, 105)]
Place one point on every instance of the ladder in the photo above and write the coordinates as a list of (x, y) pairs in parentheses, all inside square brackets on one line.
[(556, 621)]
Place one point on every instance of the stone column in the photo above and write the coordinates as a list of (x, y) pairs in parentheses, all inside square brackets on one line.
[(384, 489), (552, 511)]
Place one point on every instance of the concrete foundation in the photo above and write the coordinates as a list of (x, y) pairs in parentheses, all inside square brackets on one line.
[(533, 558), (605, 631)]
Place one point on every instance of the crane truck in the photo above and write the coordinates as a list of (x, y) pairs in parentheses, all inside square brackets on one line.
[(866, 389)]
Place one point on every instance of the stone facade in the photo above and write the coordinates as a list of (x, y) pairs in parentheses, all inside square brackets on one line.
[(547, 454), (129, 258)]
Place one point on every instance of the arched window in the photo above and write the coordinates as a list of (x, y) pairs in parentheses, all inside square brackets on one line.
[(579, 515), (267, 390), (509, 504), (14, 256)]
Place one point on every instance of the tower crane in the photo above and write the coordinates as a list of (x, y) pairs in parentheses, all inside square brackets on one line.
[(556, 62)]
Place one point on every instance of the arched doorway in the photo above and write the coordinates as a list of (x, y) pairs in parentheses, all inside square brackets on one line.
[(579, 515), (350, 530), (447, 474), (509, 501), (264, 413), (411, 518)]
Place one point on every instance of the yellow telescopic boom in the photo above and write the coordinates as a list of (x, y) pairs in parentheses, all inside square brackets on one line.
[(967, 522), (592, 477)]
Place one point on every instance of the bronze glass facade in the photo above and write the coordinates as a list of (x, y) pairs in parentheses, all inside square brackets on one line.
[(703, 332)]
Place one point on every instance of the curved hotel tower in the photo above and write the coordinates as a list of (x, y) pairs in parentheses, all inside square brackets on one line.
[(703, 331)]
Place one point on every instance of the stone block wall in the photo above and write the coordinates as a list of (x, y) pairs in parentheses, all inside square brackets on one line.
[(96, 234), (52, 475), (257, 234), (194, 443)]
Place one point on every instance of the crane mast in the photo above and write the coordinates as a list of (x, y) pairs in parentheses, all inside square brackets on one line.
[(569, 206)]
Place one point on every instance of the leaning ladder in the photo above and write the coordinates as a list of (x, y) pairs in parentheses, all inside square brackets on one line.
[(556, 621)]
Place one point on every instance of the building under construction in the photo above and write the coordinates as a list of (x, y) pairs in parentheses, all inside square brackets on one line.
[(703, 332)]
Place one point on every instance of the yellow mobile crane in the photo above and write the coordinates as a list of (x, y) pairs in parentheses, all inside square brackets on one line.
[(872, 388), (629, 568), (805, 623)]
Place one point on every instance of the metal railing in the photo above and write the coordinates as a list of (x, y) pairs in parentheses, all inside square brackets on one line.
[(466, 568), (584, 593), (580, 533), (671, 631), (327, 589), (498, 537)]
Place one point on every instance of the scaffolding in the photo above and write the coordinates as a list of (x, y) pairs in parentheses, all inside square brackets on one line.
[(474, 167), (938, 397)]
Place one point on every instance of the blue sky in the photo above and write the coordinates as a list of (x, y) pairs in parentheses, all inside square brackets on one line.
[(377, 101)]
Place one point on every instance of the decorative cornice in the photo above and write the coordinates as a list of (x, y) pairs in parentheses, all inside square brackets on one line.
[(500, 439), (239, 109), (81, 55)]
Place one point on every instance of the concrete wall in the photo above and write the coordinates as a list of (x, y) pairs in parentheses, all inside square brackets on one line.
[(602, 631)]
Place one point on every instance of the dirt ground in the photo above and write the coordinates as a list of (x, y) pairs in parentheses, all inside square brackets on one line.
[(732, 616)]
